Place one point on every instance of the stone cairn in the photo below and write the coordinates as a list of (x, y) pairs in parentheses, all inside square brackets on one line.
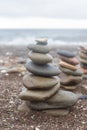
[(83, 60), (70, 66), (42, 85)]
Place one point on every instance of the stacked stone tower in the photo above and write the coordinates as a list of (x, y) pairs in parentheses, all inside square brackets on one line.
[(42, 85), (83, 60), (69, 65)]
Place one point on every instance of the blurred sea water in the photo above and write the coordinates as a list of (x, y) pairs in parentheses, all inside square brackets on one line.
[(55, 36)]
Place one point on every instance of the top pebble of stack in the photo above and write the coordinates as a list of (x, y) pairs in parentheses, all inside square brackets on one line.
[(66, 53), (41, 41), (40, 46)]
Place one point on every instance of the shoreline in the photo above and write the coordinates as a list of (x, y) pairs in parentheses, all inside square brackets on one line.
[(22, 50)]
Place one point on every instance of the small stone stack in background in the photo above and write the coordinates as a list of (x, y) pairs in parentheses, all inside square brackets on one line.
[(83, 60), (69, 65), (41, 89)]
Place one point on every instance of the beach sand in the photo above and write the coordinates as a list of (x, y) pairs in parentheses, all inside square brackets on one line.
[(10, 87)]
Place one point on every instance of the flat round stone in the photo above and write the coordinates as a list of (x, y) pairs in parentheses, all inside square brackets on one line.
[(71, 80), (42, 105), (72, 61), (40, 58), (65, 53), (77, 72), (57, 112), (83, 65), (39, 48), (84, 70), (38, 95), (85, 52), (83, 48), (68, 66), (45, 70), (83, 60), (42, 41), (84, 76), (37, 82), (71, 88), (83, 55), (62, 99), (23, 107)]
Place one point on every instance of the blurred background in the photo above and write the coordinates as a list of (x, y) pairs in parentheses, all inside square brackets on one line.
[(62, 22)]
